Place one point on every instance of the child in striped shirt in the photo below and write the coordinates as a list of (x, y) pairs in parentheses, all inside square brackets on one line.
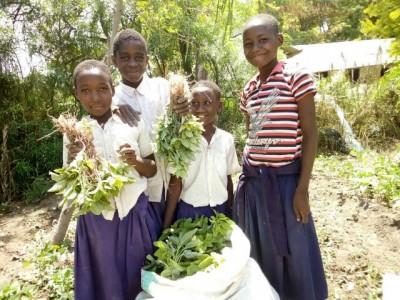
[(271, 201)]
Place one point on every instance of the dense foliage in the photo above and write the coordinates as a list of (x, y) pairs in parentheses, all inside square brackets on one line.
[(58, 35)]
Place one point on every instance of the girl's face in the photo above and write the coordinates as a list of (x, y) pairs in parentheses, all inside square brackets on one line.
[(260, 45), (94, 91), (205, 105), (131, 60)]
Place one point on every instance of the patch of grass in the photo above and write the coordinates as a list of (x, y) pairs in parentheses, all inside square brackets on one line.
[(374, 175), (49, 273), (18, 291)]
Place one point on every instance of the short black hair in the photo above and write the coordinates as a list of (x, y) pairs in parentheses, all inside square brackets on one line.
[(128, 35), (91, 64), (269, 20), (209, 84)]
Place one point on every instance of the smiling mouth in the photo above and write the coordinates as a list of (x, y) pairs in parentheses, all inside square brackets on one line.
[(255, 56)]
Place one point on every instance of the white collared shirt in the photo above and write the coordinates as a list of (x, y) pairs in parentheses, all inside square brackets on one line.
[(151, 98), (106, 141), (207, 178)]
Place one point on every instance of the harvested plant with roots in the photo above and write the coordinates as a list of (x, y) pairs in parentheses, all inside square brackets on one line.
[(89, 181), (178, 137)]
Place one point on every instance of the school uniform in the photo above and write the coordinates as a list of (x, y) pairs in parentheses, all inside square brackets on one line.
[(150, 98), (111, 248), (204, 189), (286, 250)]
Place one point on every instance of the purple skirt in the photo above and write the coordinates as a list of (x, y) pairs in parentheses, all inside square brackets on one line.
[(186, 210), (109, 255), (299, 275)]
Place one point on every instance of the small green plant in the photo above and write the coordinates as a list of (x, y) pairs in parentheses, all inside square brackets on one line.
[(18, 291), (50, 274), (373, 174), (53, 268)]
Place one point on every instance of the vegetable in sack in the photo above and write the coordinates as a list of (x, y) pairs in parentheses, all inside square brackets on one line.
[(190, 246)]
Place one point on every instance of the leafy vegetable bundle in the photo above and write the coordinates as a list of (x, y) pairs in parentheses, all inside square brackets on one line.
[(178, 138), (89, 181), (190, 246)]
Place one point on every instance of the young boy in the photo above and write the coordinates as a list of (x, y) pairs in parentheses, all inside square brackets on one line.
[(208, 184), (271, 202), (111, 248)]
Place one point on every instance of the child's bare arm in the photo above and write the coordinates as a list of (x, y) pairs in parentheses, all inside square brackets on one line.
[(145, 166), (247, 120), (309, 149), (230, 195), (173, 194)]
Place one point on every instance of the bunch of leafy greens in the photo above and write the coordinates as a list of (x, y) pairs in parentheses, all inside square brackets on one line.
[(90, 184), (89, 181), (188, 246), (178, 140)]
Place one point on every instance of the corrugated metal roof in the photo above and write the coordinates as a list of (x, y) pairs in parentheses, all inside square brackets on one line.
[(341, 55)]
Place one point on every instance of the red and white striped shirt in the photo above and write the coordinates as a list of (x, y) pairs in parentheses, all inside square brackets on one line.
[(275, 133)]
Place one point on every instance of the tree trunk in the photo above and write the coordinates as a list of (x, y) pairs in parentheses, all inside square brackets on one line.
[(7, 187), (62, 225), (116, 22)]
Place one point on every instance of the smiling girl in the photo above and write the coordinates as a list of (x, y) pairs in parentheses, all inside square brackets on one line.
[(110, 248)]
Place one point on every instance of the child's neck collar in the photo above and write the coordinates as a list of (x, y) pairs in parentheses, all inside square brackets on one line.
[(132, 84), (209, 132), (102, 120), (266, 71)]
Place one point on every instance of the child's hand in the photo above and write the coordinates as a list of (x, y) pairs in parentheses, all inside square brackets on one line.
[(182, 106), (127, 114), (127, 154), (73, 150), (301, 206)]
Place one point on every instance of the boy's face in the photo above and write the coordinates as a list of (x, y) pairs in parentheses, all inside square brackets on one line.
[(205, 105), (260, 44), (131, 60), (94, 91)]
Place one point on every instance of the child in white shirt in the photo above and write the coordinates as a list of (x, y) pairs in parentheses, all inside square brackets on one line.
[(111, 248), (208, 184)]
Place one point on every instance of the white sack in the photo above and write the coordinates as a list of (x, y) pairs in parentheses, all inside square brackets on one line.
[(237, 278)]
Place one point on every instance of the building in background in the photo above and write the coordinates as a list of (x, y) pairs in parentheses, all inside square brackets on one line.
[(363, 61)]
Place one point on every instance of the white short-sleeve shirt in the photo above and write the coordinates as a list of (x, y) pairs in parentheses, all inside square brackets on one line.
[(106, 141), (151, 98), (207, 178)]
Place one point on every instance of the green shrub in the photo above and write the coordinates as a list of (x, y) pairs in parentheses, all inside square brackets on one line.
[(371, 109)]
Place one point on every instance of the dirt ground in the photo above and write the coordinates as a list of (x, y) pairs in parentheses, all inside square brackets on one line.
[(359, 238)]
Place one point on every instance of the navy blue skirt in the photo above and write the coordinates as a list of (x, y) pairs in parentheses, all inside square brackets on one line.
[(109, 255), (186, 210), (155, 217), (299, 275)]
